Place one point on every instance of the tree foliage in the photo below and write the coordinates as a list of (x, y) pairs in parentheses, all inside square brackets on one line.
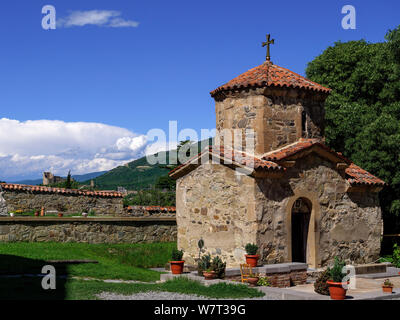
[(152, 197), (363, 110)]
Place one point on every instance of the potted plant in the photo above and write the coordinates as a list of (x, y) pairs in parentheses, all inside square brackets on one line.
[(387, 286), (11, 214), (203, 264), (335, 282), (60, 214), (209, 274), (253, 279), (176, 261), (36, 213), (252, 256), (211, 268), (219, 267)]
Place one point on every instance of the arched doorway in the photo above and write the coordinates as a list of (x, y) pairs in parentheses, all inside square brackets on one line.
[(300, 221)]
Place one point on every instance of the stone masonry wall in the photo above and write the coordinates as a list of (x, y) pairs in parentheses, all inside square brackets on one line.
[(27, 201), (216, 205), (275, 115), (348, 225), (87, 231)]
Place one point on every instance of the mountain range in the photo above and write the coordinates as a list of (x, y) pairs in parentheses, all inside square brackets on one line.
[(134, 175)]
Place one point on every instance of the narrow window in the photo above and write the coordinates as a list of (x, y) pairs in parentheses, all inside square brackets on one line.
[(304, 123)]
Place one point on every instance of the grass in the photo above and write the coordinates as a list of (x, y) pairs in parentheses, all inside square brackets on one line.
[(116, 261), (77, 290)]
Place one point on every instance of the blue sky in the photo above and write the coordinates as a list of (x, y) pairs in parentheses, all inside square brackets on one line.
[(139, 77)]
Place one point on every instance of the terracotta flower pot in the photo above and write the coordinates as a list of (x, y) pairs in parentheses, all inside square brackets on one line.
[(36, 214), (336, 290), (177, 266), (60, 215), (387, 289), (209, 275), (253, 281), (252, 259)]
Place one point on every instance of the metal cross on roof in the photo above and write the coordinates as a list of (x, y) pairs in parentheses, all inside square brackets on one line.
[(268, 43)]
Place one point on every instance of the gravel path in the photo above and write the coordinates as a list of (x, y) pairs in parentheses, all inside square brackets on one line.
[(150, 295), (161, 295)]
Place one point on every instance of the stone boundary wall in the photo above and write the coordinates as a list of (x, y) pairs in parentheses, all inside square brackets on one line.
[(88, 230), (28, 198), (280, 275)]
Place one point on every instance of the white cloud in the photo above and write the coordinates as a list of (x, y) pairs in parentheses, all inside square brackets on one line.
[(105, 18), (28, 148)]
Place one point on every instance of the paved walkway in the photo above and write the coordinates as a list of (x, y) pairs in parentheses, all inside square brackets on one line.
[(365, 289)]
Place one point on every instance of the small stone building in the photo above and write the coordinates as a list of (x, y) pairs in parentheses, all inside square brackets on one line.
[(298, 200)]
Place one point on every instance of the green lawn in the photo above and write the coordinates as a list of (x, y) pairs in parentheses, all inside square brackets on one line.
[(116, 261)]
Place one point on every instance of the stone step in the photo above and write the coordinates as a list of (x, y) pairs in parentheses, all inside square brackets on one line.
[(371, 268)]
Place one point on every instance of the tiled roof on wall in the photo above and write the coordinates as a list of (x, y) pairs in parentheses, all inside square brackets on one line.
[(42, 189), (356, 175), (359, 176), (270, 75), (230, 156), (300, 145)]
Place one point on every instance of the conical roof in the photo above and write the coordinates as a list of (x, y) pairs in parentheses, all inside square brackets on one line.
[(270, 75)]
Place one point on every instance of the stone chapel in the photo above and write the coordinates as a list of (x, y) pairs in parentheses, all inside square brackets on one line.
[(300, 201)]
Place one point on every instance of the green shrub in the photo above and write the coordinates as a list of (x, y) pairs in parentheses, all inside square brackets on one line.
[(263, 281), (396, 256), (152, 197), (176, 255), (251, 249), (219, 267), (335, 273), (320, 285)]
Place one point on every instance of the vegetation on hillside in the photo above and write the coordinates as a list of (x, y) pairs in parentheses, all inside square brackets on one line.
[(140, 175), (363, 110)]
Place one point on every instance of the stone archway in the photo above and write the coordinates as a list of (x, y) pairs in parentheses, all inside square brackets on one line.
[(309, 205)]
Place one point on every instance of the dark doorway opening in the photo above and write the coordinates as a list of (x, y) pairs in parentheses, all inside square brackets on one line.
[(301, 213)]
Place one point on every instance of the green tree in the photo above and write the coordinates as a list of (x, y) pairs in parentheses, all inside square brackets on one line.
[(363, 110), (68, 182), (151, 197), (165, 181)]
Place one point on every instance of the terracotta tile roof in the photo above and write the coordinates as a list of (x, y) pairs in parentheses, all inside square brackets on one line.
[(301, 145), (270, 75), (245, 159), (359, 176), (23, 187), (234, 156)]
